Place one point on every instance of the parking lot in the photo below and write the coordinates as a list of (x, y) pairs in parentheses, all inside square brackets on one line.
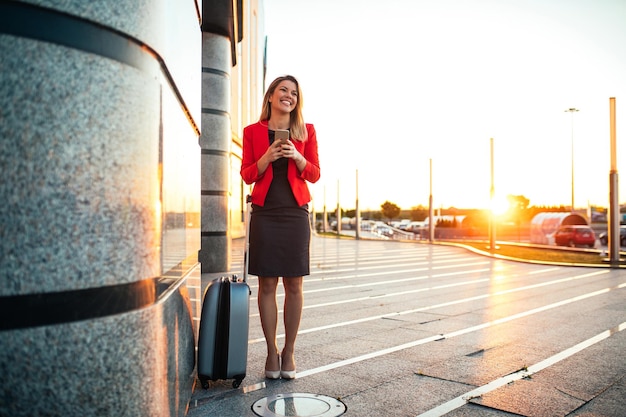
[(412, 329)]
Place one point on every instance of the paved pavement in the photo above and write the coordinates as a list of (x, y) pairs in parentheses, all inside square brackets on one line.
[(411, 329)]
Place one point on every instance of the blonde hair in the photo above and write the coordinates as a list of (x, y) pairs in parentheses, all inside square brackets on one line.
[(297, 126)]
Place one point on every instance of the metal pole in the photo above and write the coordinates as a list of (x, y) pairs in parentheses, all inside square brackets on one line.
[(357, 211), (492, 191), (614, 214), (431, 211), (312, 221), (338, 212), (572, 110), (325, 215)]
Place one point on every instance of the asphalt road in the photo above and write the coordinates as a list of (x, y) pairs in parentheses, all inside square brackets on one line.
[(411, 329)]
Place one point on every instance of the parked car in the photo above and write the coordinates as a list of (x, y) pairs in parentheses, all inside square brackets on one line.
[(383, 229), (415, 227), (575, 235), (402, 224), (604, 236), (367, 225)]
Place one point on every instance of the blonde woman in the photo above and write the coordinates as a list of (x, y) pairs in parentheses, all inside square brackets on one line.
[(279, 227)]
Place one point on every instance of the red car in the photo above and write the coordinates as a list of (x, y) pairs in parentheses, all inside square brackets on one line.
[(575, 235)]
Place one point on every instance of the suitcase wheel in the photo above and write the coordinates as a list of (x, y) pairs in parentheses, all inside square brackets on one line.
[(205, 383)]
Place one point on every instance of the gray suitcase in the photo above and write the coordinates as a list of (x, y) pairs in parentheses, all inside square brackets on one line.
[(224, 323), (223, 338)]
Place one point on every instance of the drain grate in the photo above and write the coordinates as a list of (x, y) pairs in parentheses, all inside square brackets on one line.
[(298, 405)]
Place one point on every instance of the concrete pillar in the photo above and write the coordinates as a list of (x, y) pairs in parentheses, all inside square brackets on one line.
[(215, 140), (221, 30), (92, 323)]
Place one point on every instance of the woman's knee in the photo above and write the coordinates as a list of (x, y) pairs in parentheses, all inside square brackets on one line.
[(268, 285), (293, 285)]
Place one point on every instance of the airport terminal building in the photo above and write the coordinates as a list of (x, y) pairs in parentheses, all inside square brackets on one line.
[(120, 126)]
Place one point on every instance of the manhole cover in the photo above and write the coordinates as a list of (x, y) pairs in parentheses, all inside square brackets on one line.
[(298, 405)]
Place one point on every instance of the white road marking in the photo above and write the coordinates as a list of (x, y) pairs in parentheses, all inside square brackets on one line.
[(461, 400), (455, 333), (420, 309)]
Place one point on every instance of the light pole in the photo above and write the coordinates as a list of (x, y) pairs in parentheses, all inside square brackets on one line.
[(614, 235), (338, 212), (357, 211), (572, 110), (492, 192), (431, 211)]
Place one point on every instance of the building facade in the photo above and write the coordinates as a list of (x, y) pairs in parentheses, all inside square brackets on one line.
[(104, 172)]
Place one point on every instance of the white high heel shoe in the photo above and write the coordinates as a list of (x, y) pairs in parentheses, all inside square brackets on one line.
[(286, 374), (273, 374)]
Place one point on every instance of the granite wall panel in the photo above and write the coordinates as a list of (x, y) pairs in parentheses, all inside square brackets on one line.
[(99, 147)]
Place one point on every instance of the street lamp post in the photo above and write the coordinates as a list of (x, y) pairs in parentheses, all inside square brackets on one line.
[(431, 211), (357, 210), (614, 214), (572, 110), (492, 192)]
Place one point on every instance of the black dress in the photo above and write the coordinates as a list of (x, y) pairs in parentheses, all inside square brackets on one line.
[(280, 233)]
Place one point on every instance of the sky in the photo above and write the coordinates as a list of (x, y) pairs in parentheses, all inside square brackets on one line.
[(397, 85)]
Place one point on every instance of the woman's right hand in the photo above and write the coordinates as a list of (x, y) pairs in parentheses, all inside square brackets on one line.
[(274, 152)]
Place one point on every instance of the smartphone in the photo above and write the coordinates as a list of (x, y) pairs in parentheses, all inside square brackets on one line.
[(281, 135)]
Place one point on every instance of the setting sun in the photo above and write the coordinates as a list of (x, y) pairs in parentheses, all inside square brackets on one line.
[(499, 205)]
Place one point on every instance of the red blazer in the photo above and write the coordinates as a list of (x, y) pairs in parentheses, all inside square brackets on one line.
[(255, 143)]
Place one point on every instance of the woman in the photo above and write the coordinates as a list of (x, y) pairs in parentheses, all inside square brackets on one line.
[(279, 227)]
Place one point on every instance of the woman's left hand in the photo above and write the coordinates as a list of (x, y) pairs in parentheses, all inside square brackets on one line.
[(290, 151)]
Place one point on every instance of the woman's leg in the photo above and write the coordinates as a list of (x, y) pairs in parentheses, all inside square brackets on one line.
[(292, 314), (268, 310)]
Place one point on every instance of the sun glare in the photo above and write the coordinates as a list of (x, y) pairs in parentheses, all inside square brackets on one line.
[(499, 205)]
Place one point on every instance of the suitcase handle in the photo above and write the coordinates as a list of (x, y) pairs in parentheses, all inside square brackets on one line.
[(246, 249)]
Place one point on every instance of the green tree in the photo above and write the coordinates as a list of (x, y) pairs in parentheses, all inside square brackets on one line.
[(419, 213), (350, 213), (390, 210), (517, 202), (518, 208)]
